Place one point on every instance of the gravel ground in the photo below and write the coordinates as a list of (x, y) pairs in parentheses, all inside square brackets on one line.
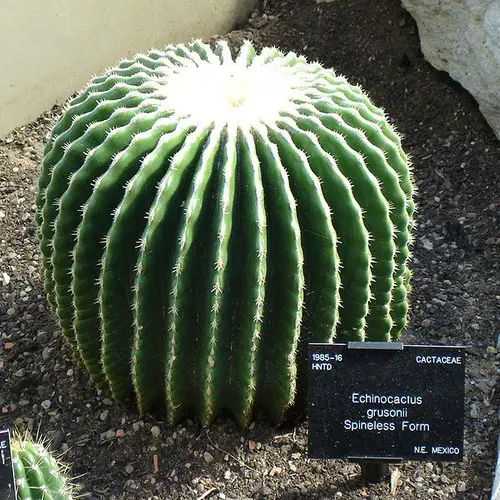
[(117, 455)]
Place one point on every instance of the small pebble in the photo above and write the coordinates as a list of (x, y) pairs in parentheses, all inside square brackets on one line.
[(427, 244), (156, 431), (474, 413), (275, 471), (129, 469), (438, 301), (46, 404), (266, 491), (208, 457)]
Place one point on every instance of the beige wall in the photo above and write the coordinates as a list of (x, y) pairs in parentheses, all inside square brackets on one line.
[(50, 48)]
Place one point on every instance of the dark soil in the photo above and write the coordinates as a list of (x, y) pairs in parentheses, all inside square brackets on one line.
[(116, 454)]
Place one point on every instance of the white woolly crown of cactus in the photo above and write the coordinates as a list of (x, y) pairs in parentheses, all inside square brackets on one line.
[(203, 218)]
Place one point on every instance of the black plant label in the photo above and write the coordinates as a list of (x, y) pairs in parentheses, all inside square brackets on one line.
[(7, 479), (386, 401)]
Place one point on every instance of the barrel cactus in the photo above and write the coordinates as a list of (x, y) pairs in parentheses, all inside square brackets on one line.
[(203, 217), (39, 476)]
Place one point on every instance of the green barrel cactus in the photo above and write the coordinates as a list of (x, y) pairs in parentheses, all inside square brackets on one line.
[(39, 476), (202, 218)]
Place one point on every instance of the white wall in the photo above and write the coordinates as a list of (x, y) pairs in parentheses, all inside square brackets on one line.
[(50, 48)]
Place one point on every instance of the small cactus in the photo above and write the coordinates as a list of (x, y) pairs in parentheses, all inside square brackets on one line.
[(39, 476), (202, 218)]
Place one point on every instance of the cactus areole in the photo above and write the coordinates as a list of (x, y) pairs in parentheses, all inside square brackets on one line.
[(203, 217)]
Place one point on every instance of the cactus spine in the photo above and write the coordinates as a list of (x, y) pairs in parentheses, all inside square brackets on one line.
[(39, 476), (201, 219)]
